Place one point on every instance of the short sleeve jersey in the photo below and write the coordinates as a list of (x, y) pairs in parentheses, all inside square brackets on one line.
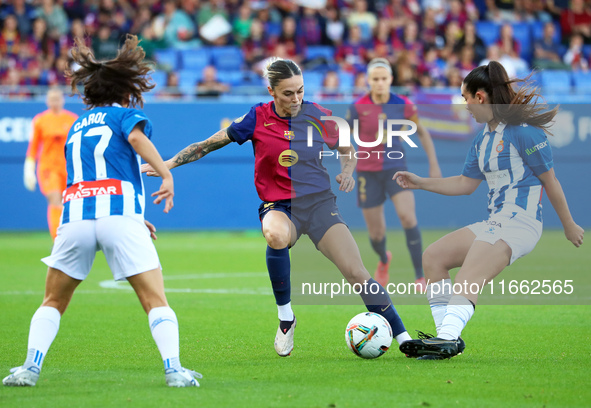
[(368, 114), (510, 159), (50, 131), (288, 162), (103, 168)]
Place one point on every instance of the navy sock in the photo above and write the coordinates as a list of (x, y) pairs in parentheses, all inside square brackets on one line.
[(380, 248), (415, 247), (381, 304), (278, 265)]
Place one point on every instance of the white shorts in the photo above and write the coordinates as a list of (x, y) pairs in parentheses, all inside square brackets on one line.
[(519, 231), (125, 241)]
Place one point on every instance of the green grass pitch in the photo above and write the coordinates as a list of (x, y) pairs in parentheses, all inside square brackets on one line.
[(104, 355)]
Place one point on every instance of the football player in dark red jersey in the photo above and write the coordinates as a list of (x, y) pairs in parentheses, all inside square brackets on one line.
[(295, 189), (375, 170)]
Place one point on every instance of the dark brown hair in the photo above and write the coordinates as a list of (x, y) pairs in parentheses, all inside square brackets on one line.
[(508, 106), (122, 79), (279, 69)]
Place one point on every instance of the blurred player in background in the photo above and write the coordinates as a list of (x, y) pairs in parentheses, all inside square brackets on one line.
[(375, 170), (513, 155), (296, 193), (104, 208), (46, 150)]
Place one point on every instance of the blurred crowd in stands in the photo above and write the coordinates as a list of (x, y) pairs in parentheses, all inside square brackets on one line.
[(206, 47)]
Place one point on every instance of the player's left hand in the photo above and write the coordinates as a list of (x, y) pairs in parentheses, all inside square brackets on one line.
[(346, 181), (152, 229), (574, 234)]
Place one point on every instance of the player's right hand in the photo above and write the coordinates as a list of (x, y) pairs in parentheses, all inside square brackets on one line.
[(406, 179), (29, 178), (166, 193)]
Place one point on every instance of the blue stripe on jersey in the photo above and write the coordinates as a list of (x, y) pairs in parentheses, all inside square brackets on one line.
[(66, 213), (522, 195), (89, 206), (116, 205), (138, 206), (501, 198), (488, 150)]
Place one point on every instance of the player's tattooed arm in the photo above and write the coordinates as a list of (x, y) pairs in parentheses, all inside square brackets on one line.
[(348, 163), (197, 150)]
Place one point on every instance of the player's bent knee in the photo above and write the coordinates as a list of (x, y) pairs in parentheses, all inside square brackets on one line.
[(276, 240), (408, 221), (356, 275), (434, 263)]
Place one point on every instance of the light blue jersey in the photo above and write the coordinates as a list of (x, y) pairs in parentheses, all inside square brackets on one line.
[(103, 168), (510, 159)]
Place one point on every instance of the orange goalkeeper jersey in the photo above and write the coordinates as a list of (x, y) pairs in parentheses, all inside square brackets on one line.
[(50, 132)]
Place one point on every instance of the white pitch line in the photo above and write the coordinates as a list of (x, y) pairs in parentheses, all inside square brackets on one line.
[(214, 275)]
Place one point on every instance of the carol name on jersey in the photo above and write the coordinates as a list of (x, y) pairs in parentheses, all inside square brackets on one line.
[(92, 119)]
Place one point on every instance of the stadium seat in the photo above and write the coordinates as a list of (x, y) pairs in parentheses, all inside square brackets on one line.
[(233, 78), (488, 31), (522, 33), (582, 82), (273, 29), (320, 51), (555, 82), (250, 78), (159, 78), (346, 80), (188, 80), (167, 58), (313, 81), (195, 59), (227, 58)]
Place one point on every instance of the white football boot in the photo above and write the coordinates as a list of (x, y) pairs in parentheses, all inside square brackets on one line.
[(22, 377), (184, 378), (284, 341)]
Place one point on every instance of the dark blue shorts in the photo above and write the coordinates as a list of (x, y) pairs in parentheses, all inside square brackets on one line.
[(375, 187), (312, 214)]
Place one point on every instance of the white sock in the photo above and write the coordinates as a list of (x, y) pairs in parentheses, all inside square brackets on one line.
[(44, 327), (438, 295), (459, 311), (402, 337), (165, 330), (285, 313)]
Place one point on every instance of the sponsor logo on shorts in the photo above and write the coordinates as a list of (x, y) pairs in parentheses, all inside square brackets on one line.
[(492, 226), (86, 189)]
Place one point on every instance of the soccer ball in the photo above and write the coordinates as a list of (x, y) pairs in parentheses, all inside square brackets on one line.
[(368, 335)]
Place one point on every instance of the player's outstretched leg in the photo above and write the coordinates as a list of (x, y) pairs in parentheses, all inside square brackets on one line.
[(378, 301), (44, 327)]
